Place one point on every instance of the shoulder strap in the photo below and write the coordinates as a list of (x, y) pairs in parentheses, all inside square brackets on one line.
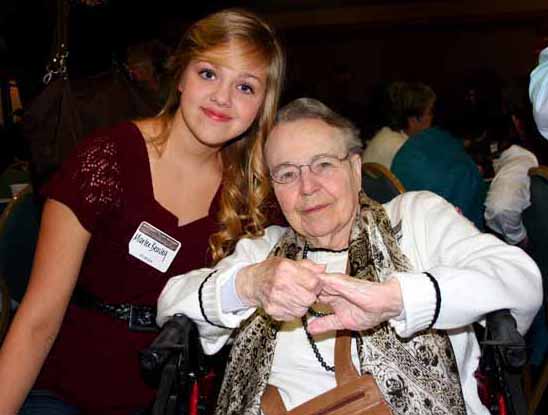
[(344, 368), (271, 401), (57, 65)]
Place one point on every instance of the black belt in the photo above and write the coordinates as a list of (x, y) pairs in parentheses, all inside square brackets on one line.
[(139, 317)]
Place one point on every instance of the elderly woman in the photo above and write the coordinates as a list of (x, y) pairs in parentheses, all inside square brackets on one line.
[(409, 276)]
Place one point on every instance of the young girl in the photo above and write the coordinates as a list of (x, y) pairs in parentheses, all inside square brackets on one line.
[(134, 205)]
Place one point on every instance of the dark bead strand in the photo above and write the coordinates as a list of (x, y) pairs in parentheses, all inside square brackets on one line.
[(315, 347), (311, 340), (310, 309), (319, 357)]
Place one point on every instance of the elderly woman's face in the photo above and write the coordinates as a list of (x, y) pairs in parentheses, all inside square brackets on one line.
[(319, 207)]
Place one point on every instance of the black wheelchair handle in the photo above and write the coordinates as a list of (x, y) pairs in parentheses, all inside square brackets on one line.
[(174, 337)]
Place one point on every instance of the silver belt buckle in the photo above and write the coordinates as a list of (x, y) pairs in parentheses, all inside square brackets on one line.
[(142, 318)]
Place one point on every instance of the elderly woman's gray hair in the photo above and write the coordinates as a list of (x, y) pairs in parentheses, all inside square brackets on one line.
[(309, 108)]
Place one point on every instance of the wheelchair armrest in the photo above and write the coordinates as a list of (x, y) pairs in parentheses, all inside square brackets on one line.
[(177, 336), (503, 335)]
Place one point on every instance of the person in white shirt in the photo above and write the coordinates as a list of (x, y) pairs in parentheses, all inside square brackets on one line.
[(408, 277), (509, 195), (538, 92), (408, 110)]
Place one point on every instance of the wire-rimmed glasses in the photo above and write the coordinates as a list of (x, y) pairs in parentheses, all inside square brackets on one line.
[(322, 165)]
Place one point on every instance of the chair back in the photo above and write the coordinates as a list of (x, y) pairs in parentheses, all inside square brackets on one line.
[(379, 183), (19, 226), (535, 219)]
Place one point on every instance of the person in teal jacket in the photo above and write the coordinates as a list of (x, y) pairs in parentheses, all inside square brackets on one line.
[(435, 160)]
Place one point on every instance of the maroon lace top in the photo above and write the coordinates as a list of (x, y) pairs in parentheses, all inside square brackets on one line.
[(107, 184)]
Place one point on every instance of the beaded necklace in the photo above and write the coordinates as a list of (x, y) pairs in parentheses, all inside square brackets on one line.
[(315, 313)]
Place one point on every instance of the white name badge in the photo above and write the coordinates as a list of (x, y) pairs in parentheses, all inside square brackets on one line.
[(154, 247)]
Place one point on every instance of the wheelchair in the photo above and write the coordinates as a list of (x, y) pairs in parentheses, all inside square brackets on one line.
[(183, 373), (177, 356), (503, 359)]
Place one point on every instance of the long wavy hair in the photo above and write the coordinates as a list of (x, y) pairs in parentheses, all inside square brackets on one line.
[(243, 190)]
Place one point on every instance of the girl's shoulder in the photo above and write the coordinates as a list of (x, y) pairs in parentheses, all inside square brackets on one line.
[(108, 143), (90, 181)]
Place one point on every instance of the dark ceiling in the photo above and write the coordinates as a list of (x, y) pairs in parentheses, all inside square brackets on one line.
[(98, 33)]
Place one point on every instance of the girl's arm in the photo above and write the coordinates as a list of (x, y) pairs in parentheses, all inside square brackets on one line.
[(61, 246)]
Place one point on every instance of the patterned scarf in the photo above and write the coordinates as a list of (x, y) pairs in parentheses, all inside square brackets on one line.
[(416, 376)]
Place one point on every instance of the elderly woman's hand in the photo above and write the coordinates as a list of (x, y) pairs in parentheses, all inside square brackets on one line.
[(357, 304), (282, 287)]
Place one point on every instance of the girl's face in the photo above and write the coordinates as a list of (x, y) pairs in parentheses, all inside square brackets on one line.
[(221, 94)]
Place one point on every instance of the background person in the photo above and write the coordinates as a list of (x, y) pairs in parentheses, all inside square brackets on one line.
[(538, 92), (436, 160), (508, 194), (149, 183), (390, 272), (408, 109)]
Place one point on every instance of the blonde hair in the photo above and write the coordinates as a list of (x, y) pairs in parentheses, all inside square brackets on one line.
[(242, 195)]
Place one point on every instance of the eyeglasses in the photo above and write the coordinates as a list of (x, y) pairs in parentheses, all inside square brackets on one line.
[(322, 165)]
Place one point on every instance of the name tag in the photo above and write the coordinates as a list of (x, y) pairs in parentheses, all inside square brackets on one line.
[(154, 247)]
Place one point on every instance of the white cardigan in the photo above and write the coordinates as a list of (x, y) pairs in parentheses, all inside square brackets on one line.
[(477, 273)]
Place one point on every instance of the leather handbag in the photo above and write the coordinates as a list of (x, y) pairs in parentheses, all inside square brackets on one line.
[(353, 395)]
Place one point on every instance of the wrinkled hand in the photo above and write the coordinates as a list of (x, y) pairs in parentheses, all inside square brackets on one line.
[(357, 304), (282, 287)]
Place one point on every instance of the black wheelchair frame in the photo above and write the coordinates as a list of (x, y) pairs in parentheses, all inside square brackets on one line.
[(503, 358), (176, 356)]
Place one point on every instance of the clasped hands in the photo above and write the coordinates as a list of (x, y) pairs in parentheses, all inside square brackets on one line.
[(285, 289)]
